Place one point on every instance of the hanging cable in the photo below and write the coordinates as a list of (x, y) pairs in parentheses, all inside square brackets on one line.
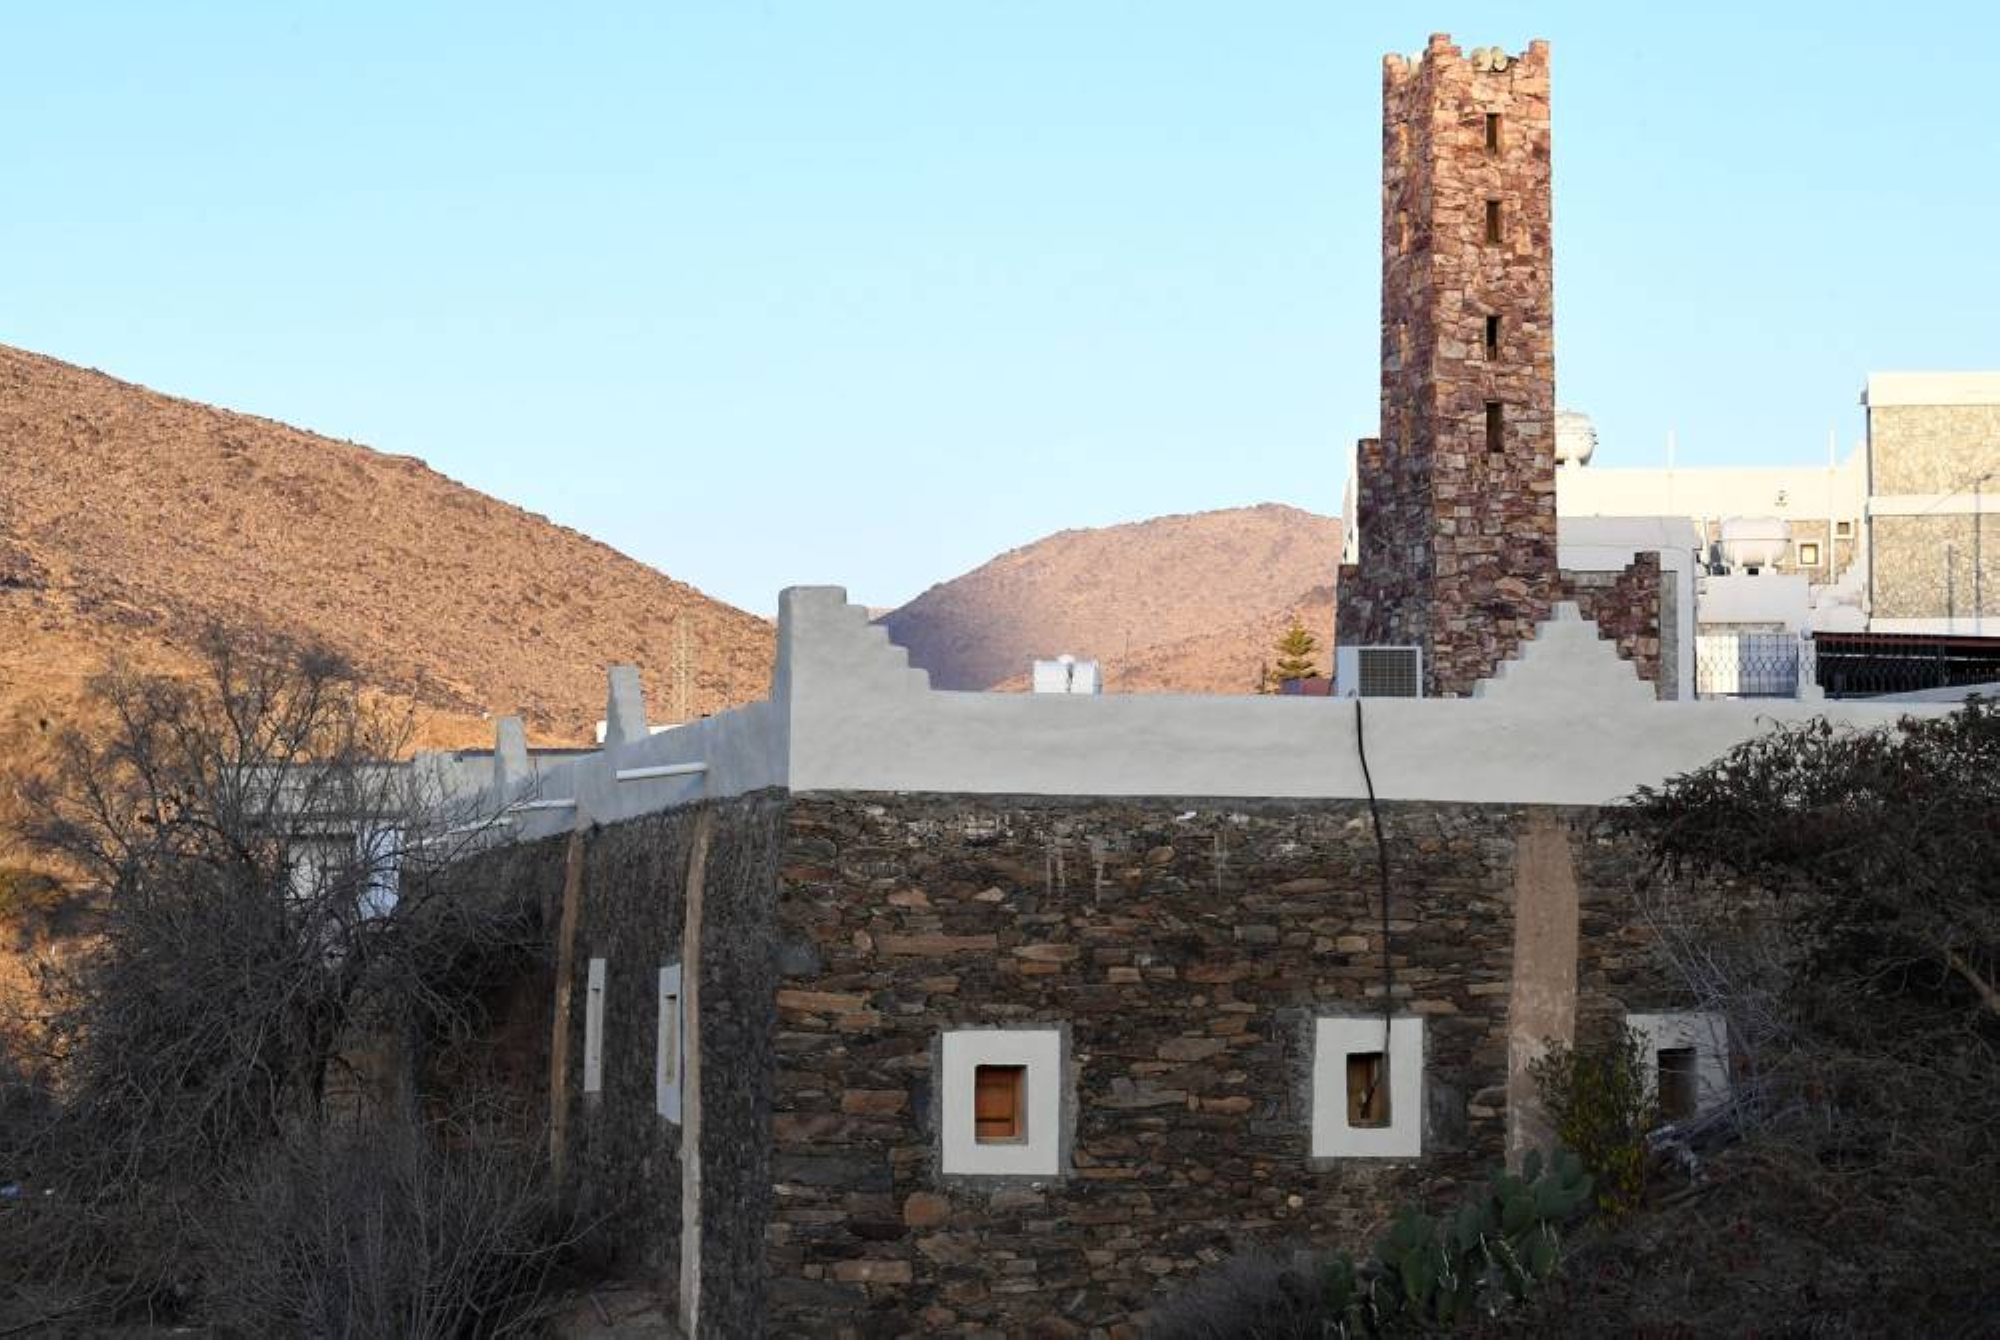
[(1382, 878)]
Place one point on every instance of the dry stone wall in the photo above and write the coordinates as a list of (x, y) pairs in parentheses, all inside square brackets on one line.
[(1625, 605), (1455, 503), (1185, 947)]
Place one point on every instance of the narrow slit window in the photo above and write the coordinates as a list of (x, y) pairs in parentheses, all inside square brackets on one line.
[(1493, 132), (1496, 427), (1493, 222), (1677, 1086), (1492, 337), (999, 1111), (670, 1039), (1367, 1089)]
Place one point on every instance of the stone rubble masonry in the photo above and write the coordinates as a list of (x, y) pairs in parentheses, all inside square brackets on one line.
[(1625, 606), (1458, 542), (1185, 945)]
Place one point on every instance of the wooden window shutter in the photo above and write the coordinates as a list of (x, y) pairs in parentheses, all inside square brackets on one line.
[(998, 1093)]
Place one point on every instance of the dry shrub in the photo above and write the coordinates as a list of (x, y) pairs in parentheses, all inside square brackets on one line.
[(384, 1230)]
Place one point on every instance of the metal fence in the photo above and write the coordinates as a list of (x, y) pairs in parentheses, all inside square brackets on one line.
[(1750, 665), (1860, 665)]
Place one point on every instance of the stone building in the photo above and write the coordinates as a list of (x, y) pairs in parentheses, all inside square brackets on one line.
[(879, 1010), (1933, 476), (1455, 501)]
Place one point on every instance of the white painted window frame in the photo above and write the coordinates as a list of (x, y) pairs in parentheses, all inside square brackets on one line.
[(1040, 1052), (670, 1053), (1707, 1033), (1335, 1038), (593, 1029)]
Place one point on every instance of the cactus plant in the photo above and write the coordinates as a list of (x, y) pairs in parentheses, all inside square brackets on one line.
[(1430, 1274)]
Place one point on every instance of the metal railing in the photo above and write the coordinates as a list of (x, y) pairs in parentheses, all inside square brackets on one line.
[(1861, 665), (1750, 665)]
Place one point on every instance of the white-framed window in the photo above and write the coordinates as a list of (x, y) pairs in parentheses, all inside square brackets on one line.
[(1000, 1096), (1808, 553), (1688, 1060), (670, 1056), (1367, 1087), (593, 1029)]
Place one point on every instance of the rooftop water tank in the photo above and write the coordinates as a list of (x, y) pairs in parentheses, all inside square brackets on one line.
[(1576, 438), (1753, 542)]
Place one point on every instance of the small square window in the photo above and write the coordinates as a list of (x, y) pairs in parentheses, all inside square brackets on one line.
[(1493, 223), (1367, 1089), (1843, 529), (1690, 1054), (1492, 336), (1679, 1083), (1001, 1094), (1493, 132), (999, 1106), (1809, 555)]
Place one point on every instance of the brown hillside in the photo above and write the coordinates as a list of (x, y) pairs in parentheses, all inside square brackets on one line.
[(130, 519), (1201, 599)]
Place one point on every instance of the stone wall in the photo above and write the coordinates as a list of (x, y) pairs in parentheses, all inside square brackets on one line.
[(1458, 530), (1930, 448), (1185, 946), (623, 1163), (1922, 567), (1625, 606)]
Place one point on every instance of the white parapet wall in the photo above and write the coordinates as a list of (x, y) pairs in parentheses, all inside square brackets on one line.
[(1566, 723)]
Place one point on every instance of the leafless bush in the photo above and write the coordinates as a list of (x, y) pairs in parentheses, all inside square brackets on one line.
[(1256, 1294), (1835, 896), (384, 1230), (265, 895)]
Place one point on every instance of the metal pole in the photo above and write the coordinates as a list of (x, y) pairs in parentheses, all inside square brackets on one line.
[(1950, 583)]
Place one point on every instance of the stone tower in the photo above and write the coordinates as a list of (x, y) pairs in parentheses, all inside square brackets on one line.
[(1455, 501)]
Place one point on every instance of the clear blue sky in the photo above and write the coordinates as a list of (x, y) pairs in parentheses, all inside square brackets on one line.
[(865, 293)]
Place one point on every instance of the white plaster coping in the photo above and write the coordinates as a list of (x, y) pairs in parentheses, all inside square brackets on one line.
[(1708, 1034), (669, 1061), (1335, 1038), (593, 1030), (963, 1051)]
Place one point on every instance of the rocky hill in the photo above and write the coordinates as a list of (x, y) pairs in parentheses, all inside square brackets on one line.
[(129, 520), (1188, 604)]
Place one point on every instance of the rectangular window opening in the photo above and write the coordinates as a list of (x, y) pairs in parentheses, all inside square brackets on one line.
[(1493, 222), (1677, 1083), (1496, 427), (1843, 528), (670, 1039), (999, 1103), (1367, 1089), (1809, 555), (1493, 132), (1492, 337)]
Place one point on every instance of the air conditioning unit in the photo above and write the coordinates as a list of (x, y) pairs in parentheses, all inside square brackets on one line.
[(1378, 672)]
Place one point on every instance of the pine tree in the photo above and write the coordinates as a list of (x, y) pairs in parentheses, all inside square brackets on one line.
[(1298, 651)]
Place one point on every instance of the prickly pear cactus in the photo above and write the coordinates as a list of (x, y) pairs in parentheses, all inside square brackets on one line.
[(1430, 1274)]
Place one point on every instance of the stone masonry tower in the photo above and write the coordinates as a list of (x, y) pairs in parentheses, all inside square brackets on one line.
[(1455, 502)]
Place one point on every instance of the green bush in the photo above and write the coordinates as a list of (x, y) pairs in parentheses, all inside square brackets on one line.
[(1603, 1104)]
